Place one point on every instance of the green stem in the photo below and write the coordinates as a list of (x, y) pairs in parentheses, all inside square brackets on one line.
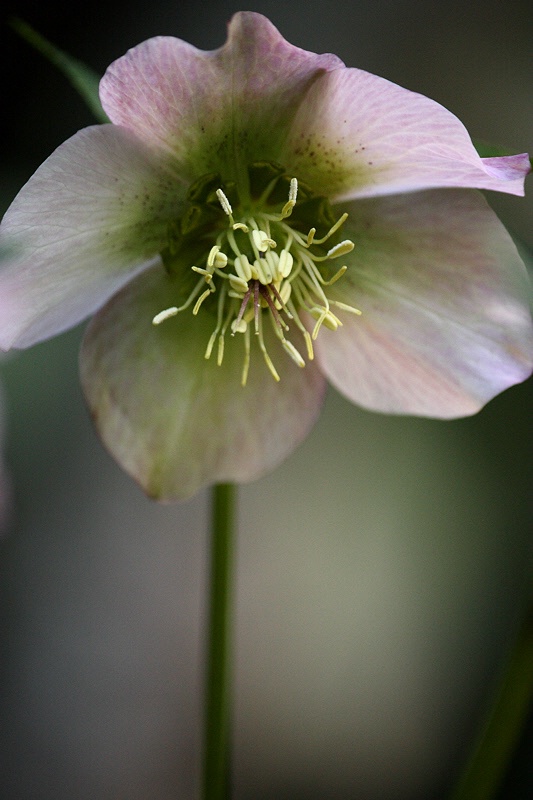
[(82, 77), (485, 771), (217, 698)]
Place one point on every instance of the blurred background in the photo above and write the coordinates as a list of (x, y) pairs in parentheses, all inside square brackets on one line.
[(382, 572)]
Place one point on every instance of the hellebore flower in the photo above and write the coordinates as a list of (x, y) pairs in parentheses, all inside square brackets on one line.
[(255, 220)]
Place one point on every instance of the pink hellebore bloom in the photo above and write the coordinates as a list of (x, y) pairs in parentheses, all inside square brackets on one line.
[(255, 220)]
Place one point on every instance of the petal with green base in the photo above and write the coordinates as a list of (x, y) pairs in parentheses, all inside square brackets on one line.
[(176, 421)]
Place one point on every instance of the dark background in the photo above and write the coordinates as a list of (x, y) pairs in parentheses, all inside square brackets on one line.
[(383, 570)]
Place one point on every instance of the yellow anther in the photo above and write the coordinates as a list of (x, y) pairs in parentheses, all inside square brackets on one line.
[(208, 275), (324, 317), (238, 284), (243, 268), (285, 263), (293, 352), (220, 350), (272, 260), (211, 342), (212, 255), (342, 219), (200, 300), (240, 226), (309, 345), (262, 241), (216, 259), (239, 327), (261, 271), (336, 277), (340, 249)]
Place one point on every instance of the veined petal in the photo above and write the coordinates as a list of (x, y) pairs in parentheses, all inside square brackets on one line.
[(213, 111), (176, 421), (358, 135), (445, 323), (93, 215)]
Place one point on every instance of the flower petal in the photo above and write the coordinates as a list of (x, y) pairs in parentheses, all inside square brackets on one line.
[(358, 135), (92, 216), (214, 111), (176, 421), (443, 293)]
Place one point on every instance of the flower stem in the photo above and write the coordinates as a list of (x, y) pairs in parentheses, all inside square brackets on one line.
[(217, 697), (485, 770)]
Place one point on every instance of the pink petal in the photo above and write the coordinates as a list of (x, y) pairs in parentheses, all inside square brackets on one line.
[(358, 135), (93, 215), (213, 111), (445, 323), (172, 419)]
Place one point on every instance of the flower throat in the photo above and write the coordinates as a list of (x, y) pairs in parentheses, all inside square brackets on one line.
[(261, 269)]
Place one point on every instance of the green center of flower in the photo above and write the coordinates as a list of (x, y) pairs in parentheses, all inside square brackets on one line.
[(262, 270)]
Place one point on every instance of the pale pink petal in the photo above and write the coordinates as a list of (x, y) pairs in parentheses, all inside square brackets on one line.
[(445, 323), (358, 135), (213, 111), (93, 215), (172, 419)]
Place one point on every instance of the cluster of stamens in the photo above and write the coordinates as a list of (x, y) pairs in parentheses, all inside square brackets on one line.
[(264, 278)]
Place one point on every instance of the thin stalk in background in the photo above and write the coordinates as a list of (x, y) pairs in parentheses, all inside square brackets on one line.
[(485, 771)]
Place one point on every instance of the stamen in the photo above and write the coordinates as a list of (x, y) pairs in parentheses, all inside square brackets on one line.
[(324, 317), (309, 279), (345, 307), (220, 351), (239, 284), (342, 219), (233, 243), (163, 315), (257, 307), (309, 345), (262, 346), (225, 203), (262, 241), (216, 258), (316, 272), (200, 300), (208, 275), (303, 329), (293, 352), (243, 268), (335, 278), (338, 250), (220, 311), (246, 364), (261, 271), (341, 249), (242, 309), (286, 211), (283, 283), (286, 262)]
